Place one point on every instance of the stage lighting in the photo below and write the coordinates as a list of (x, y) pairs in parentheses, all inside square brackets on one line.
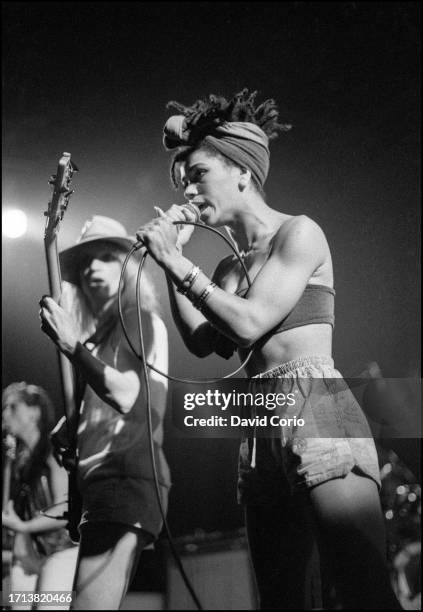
[(14, 223)]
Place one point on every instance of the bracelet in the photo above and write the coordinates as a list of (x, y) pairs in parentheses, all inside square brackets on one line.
[(189, 280), (204, 296)]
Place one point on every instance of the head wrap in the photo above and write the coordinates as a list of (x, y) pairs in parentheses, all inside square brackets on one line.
[(242, 142)]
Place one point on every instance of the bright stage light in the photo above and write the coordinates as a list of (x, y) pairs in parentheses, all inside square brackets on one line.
[(14, 223)]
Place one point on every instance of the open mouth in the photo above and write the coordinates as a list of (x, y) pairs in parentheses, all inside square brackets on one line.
[(203, 207), (197, 208)]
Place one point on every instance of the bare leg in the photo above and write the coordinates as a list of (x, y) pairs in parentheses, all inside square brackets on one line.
[(108, 557), (22, 580), (350, 520), (57, 574)]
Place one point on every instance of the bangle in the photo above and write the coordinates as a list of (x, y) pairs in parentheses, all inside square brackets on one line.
[(189, 280), (204, 296)]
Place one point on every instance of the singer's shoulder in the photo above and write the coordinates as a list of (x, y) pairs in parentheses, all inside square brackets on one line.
[(301, 240), (297, 229)]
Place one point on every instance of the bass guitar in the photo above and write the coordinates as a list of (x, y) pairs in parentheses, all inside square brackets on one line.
[(61, 183)]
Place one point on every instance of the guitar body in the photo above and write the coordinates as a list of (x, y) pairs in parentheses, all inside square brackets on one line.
[(56, 209)]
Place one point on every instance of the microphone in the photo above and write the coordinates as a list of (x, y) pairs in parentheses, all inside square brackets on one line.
[(193, 208)]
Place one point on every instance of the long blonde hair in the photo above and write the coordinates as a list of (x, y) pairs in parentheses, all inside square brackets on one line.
[(75, 302)]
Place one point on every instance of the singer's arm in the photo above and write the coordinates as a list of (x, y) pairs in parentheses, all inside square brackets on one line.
[(299, 249), (199, 335)]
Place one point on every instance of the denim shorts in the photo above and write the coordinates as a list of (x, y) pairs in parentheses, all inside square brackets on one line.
[(327, 435)]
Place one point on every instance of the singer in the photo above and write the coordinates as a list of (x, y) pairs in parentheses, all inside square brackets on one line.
[(326, 487), (44, 558), (120, 511)]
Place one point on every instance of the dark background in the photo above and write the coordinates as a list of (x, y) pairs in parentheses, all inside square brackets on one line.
[(93, 79)]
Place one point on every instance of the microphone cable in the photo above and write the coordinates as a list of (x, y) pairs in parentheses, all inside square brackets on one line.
[(146, 366), (168, 376)]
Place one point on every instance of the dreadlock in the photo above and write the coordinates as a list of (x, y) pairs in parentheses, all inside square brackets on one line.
[(206, 114)]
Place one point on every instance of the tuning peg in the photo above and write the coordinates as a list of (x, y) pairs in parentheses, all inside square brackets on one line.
[(52, 179), (67, 192), (74, 167)]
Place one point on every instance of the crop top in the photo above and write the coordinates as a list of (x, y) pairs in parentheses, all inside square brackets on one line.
[(316, 305)]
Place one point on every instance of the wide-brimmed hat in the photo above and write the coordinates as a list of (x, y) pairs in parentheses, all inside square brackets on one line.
[(98, 228)]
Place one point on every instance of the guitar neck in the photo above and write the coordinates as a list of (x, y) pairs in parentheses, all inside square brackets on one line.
[(53, 270), (56, 208), (65, 367)]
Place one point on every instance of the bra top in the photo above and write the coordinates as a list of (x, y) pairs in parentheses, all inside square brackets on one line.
[(316, 305)]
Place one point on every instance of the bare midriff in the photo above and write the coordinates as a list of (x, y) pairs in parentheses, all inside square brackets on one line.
[(304, 341)]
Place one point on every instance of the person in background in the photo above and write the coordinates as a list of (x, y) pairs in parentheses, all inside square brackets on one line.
[(43, 556)]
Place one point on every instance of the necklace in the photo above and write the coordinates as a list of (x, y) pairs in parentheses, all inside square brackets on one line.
[(261, 243), (256, 248)]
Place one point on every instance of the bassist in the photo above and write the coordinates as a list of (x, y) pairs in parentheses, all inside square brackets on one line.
[(120, 512)]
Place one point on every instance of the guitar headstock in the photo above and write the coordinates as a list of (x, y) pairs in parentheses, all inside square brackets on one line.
[(61, 183)]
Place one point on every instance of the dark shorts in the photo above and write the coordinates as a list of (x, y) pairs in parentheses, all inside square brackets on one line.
[(334, 440), (99, 537), (129, 501)]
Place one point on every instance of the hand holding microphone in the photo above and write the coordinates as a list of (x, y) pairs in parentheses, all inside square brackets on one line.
[(162, 237)]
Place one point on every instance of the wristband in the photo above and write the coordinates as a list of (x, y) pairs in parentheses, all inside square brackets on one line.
[(83, 359), (189, 280), (204, 296)]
